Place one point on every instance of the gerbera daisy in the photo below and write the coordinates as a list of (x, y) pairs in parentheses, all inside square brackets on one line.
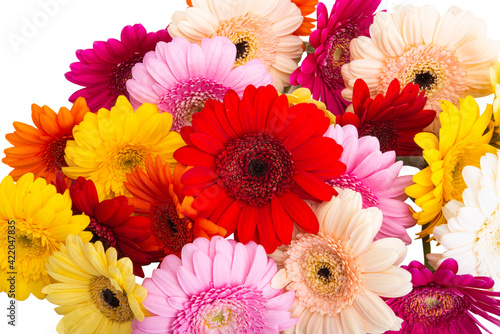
[(306, 7), (446, 56), (217, 286), (34, 223), (110, 143), (40, 149), (111, 223), (254, 160), (95, 291), (394, 118), (320, 70), (303, 95), (158, 195), (375, 176), (104, 69), (340, 274), (260, 29), (471, 234), (178, 77), (444, 302), (463, 139)]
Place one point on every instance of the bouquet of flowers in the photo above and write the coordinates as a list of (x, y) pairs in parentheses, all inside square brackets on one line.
[(251, 153)]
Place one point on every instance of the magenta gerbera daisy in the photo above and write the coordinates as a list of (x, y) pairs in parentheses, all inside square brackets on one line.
[(375, 176), (255, 160), (104, 69), (180, 76), (216, 287), (320, 70), (444, 302)]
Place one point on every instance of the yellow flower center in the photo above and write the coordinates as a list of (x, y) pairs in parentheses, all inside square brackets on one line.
[(111, 302), (218, 318), (253, 37), (129, 157)]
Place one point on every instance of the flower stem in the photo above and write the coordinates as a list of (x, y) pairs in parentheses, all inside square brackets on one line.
[(426, 246)]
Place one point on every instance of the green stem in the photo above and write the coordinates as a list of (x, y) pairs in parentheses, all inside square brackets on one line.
[(426, 245)]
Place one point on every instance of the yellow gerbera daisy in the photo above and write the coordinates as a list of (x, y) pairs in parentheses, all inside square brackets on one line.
[(462, 142), (109, 144), (495, 83), (303, 95), (96, 292), (34, 223)]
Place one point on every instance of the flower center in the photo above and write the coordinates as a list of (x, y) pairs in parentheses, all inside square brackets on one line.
[(459, 157), (121, 73), (102, 233), (352, 182), (29, 245), (256, 168), (172, 231), (384, 131), (111, 302), (53, 153), (129, 157), (432, 306), (337, 54), (324, 275), (253, 36), (434, 68), (223, 311), (487, 246), (188, 97)]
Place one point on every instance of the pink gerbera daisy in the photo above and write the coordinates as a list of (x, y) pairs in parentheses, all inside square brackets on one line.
[(375, 176), (443, 302), (104, 69), (219, 286), (320, 70), (179, 76)]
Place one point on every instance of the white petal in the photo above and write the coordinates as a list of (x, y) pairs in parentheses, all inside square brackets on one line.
[(377, 259), (412, 29), (451, 208), (280, 280), (377, 316), (393, 282), (392, 243), (350, 321), (487, 201), (429, 16), (455, 240)]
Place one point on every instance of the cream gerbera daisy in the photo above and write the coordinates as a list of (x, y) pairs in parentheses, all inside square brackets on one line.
[(108, 144), (95, 292), (448, 56), (463, 139), (34, 223), (260, 29), (340, 274), (471, 236)]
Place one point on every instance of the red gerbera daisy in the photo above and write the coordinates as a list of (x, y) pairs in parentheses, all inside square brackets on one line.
[(111, 223), (105, 69), (255, 159), (158, 195), (394, 119)]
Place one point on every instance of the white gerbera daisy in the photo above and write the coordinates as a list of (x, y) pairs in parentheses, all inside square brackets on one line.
[(449, 56), (339, 274), (260, 29), (472, 235)]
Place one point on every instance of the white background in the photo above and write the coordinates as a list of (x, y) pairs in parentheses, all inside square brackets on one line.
[(32, 71)]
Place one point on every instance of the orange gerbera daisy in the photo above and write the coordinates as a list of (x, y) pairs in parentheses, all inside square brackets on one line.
[(306, 7), (40, 149), (159, 195)]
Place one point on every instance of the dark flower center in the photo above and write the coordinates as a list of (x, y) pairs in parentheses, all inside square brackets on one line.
[(121, 73), (256, 168), (425, 80), (102, 233), (172, 231), (53, 153), (242, 50), (431, 306), (337, 54), (384, 131), (324, 274), (110, 298)]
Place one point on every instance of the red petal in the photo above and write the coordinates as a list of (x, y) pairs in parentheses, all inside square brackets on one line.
[(313, 185), (206, 143), (300, 212), (315, 147), (266, 229), (211, 198), (277, 119), (229, 220), (247, 223), (282, 221), (193, 156)]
